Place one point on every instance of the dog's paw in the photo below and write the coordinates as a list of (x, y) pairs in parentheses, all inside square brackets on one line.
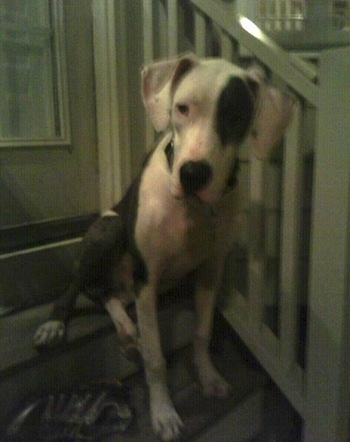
[(215, 386), (49, 334), (212, 382), (167, 424)]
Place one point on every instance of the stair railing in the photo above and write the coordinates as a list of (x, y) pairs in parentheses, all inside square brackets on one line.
[(305, 219)]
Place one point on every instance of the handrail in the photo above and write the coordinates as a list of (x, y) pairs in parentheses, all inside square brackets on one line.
[(304, 66), (298, 73)]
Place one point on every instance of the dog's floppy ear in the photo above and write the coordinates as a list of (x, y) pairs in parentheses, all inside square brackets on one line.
[(159, 81), (274, 111)]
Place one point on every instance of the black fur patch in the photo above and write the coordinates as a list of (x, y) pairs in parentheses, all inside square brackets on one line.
[(235, 111), (128, 210), (169, 153)]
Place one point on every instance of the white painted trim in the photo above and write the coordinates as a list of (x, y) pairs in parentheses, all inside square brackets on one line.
[(148, 56), (256, 253), (200, 31), (267, 355), (148, 28), (173, 27), (62, 84), (111, 97), (52, 245), (291, 209), (226, 45), (328, 344)]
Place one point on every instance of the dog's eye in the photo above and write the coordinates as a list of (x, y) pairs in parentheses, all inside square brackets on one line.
[(183, 109)]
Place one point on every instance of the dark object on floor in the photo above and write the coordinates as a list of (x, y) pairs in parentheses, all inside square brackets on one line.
[(84, 413)]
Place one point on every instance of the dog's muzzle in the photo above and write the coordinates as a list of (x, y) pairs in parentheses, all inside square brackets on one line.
[(194, 176)]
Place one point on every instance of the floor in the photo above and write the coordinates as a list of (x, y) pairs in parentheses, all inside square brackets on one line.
[(234, 419), (255, 410)]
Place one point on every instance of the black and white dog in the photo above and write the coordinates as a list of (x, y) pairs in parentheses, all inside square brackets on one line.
[(181, 214)]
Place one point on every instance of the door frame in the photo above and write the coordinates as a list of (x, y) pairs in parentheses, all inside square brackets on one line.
[(113, 135)]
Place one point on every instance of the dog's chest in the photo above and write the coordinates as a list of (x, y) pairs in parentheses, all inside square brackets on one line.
[(174, 238)]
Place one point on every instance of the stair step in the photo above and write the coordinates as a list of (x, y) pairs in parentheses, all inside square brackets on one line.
[(98, 358), (243, 423), (239, 415), (91, 352)]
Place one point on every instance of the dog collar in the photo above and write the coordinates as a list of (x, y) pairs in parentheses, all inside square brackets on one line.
[(233, 176), (169, 153)]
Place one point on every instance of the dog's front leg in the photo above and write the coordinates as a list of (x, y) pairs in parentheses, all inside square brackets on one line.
[(166, 422), (208, 278)]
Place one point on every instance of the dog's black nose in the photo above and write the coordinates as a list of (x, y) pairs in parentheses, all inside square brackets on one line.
[(194, 175)]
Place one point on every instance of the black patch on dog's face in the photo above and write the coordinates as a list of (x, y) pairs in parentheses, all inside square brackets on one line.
[(235, 110)]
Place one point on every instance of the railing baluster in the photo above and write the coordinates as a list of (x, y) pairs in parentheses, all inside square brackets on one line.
[(227, 45), (300, 77), (173, 27), (290, 239), (148, 31), (200, 31), (278, 25), (288, 13), (148, 56), (256, 258), (161, 27)]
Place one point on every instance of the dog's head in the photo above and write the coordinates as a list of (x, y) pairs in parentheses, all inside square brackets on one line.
[(211, 106)]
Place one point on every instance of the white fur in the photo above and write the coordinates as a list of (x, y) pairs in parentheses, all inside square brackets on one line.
[(176, 234), (110, 213)]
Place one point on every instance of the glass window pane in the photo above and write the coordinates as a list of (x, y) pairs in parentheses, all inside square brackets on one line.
[(28, 93)]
